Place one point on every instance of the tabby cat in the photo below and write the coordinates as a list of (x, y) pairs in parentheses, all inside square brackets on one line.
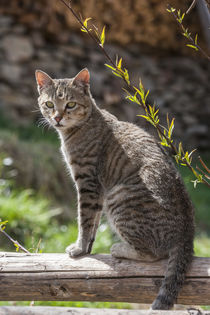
[(121, 170)]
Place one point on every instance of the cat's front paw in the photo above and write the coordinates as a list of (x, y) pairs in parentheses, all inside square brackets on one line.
[(74, 250)]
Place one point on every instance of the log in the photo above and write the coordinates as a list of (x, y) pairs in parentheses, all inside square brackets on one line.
[(56, 277), (47, 310)]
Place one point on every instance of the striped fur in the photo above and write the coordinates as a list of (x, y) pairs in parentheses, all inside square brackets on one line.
[(120, 169)]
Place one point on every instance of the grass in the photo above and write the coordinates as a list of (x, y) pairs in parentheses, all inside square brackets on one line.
[(202, 245), (115, 305)]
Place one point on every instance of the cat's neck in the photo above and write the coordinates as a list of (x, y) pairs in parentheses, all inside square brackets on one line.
[(90, 126)]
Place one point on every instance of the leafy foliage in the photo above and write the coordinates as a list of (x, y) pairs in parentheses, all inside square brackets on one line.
[(138, 95), (193, 42)]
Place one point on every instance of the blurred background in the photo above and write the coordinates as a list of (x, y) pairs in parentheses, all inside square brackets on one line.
[(37, 196)]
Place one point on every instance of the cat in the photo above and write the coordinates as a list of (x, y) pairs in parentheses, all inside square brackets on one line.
[(120, 169)]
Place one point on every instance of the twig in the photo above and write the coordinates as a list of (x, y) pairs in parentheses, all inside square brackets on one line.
[(183, 29), (68, 5), (203, 164), (191, 6), (16, 243), (131, 89), (200, 170), (205, 167)]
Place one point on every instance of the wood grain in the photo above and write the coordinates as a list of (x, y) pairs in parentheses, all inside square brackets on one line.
[(54, 277)]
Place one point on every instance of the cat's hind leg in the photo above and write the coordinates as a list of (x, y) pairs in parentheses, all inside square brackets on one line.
[(124, 250)]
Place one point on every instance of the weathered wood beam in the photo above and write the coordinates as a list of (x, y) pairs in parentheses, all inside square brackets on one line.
[(47, 310), (56, 277)]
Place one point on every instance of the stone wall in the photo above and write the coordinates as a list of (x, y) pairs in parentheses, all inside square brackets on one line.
[(128, 22), (179, 84)]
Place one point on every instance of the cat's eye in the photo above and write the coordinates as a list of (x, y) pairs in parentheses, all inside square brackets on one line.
[(70, 104), (49, 104)]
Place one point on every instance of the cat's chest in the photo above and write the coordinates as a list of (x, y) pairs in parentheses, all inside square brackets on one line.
[(78, 163), (68, 159)]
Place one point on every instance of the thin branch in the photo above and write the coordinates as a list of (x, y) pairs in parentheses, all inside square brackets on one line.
[(16, 243), (200, 170), (191, 6), (203, 164), (68, 5), (183, 29), (131, 89)]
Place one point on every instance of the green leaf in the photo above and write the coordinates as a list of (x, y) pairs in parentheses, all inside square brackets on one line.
[(192, 46), (132, 98), (176, 158), (147, 118), (86, 21), (170, 9), (2, 223), (196, 39), (197, 181), (119, 65), (83, 28), (165, 144), (17, 247), (171, 128), (126, 76), (117, 74), (110, 66), (102, 37), (180, 150), (137, 90), (141, 86), (147, 94)]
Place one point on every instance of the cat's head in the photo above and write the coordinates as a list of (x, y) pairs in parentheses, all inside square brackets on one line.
[(64, 103)]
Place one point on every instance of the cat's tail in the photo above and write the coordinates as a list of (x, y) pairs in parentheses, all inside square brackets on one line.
[(180, 258)]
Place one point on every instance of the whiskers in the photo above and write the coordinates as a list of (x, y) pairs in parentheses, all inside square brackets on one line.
[(36, 110), (43, 123)]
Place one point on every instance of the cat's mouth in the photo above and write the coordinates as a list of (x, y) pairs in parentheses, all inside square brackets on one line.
[(59, 125)]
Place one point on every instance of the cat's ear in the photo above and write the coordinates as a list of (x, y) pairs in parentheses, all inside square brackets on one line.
[(43, 80), (82, 78)]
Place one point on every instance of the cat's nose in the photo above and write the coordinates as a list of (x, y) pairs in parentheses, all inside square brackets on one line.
[(58, 118)]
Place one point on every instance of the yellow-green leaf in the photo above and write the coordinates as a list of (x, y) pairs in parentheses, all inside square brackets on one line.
[(196, 39), (108, 66), (102, 37), (84, 28), (3, 223), (86, 21), (126, 76), (119, 64), (17, 247), (192, 46), (117, 74)]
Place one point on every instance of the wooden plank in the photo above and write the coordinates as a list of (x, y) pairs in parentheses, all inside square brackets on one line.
[(58, 287), (47, 310), (100, 264), (56, 277)]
